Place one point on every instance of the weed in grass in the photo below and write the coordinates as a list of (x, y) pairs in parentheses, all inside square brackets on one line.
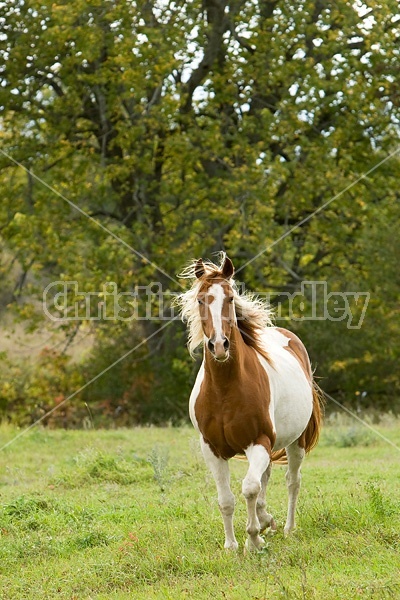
[(92, 539), (387, 591), (349, 437), (23, 507), (158, 459), (389, 538), (27, 513), (381, 506), (94, 466)]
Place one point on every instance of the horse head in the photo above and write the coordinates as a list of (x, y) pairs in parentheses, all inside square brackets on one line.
[(216, 307)]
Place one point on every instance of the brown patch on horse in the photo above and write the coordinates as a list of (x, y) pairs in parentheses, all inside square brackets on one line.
[(251, 338), (297, 349), (232, 406), (310, 436)]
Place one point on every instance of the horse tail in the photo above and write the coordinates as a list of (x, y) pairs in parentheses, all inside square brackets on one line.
[(310, 436), (279, 457)]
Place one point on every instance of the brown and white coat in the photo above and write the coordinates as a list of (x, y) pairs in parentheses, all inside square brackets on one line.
[(254, 394)]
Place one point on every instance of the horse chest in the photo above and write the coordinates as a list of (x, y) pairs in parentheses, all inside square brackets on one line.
[(233, 417)]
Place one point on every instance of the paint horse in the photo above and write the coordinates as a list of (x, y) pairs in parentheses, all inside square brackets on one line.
[(254, 395)]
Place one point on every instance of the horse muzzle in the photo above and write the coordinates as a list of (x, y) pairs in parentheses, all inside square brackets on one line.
[(219, 348)]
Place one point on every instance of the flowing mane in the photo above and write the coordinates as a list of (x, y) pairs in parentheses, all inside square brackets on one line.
[(253, 314)]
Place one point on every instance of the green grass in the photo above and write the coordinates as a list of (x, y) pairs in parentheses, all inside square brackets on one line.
[(133, 514)]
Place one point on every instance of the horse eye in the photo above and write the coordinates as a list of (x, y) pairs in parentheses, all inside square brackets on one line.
[(230, 300), (199, 301)]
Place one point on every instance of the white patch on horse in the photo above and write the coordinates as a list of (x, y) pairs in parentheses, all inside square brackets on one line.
[(194, 395), (273, 336), (258, 463), (287, 381), (215, 308)]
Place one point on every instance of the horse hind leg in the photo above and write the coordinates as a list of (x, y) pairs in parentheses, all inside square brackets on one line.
[(266, 520), (295, 455)]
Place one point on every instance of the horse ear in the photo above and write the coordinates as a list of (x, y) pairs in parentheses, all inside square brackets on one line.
[(199, 268), (228, 268)]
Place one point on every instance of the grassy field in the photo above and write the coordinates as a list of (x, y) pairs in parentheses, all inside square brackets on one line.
[(133, 514)]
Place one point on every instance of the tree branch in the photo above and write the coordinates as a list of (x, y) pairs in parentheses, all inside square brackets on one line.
[(219, 22), (105, 213)]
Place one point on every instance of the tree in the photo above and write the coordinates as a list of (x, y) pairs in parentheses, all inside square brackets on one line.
[(185, 128)]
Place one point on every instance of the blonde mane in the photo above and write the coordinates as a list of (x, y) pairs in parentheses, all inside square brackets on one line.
[(253, 314)]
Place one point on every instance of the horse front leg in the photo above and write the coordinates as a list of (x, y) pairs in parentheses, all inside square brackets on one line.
[(266, 520), (259, 462), (226, 500)]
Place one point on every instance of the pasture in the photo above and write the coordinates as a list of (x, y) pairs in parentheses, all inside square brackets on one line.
[(133, 514)]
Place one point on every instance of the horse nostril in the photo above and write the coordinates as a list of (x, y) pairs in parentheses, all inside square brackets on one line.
[(226, 343), (210, 346)]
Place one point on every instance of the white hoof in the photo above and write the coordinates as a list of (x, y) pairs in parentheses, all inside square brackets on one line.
[(252, 547), (231, 546), (287, 531), (272, 528)]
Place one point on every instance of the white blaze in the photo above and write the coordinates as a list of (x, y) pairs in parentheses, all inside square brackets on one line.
[(215, 309)]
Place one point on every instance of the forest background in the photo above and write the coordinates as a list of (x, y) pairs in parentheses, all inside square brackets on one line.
[(136, 136)]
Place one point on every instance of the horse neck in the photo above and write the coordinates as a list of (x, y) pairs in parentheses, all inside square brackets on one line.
[(227, 373)]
